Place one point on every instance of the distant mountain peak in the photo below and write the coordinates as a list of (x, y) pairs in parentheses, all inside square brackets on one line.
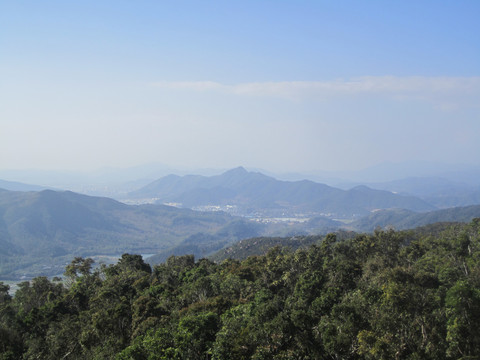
[(237, 170), (251, 191)]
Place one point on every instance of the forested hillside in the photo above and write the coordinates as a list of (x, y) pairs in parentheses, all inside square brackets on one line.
[(388, 295), (42, 231), (401, 219)]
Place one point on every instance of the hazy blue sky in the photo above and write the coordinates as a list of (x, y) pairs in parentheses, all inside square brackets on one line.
[(279, 85)]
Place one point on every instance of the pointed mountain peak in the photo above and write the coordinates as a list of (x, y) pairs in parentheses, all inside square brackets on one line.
[(237, 170)]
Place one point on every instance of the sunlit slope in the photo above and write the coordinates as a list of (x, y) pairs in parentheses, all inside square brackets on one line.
[(38, 226)]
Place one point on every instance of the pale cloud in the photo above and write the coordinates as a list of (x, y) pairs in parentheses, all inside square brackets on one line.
[(191, 85), (445, 92)]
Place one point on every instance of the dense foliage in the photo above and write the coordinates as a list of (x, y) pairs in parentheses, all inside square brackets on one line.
[(388, 295)]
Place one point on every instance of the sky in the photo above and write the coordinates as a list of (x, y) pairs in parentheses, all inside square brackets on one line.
[(278, 85)]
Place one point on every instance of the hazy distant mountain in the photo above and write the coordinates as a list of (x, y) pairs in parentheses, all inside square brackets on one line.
[(457, 197), (389, 171), (117, 182), (18, 186), (252, 191), (421, 186), (109, 181), (49, 227), (405, 219), (438, 191)]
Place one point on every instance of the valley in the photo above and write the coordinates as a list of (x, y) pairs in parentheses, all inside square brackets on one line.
[(41, 230)]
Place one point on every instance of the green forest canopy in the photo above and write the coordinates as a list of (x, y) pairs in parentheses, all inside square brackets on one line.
[(388, 295)]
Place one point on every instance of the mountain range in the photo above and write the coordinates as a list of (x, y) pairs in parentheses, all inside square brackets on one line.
[(250, 193), (42, 230), (425, 180)]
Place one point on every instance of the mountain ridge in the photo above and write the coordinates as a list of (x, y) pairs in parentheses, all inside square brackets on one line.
[(402, 219), (254, 190)]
